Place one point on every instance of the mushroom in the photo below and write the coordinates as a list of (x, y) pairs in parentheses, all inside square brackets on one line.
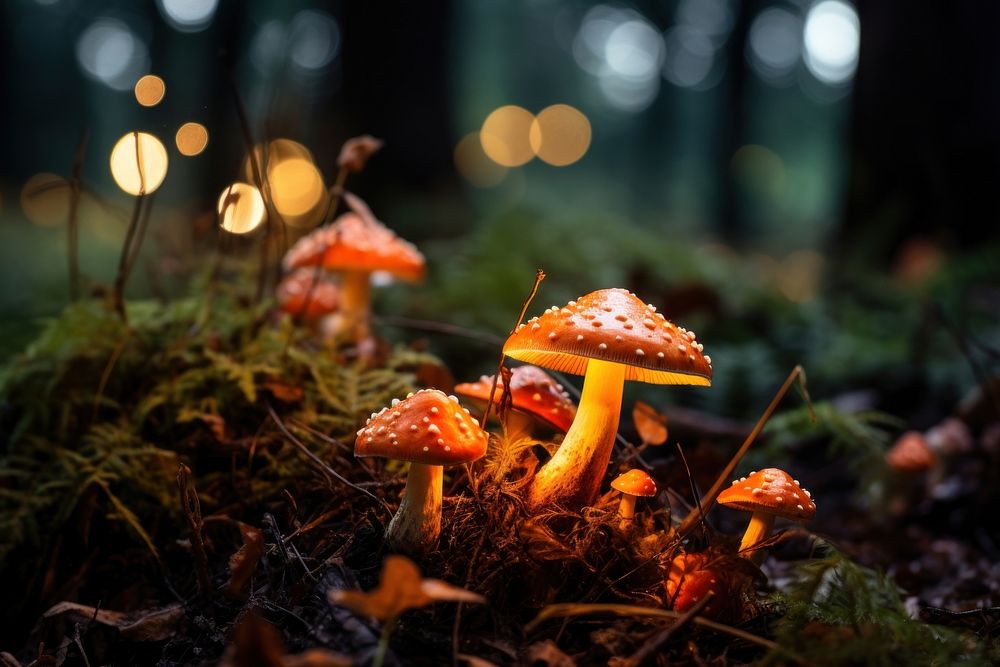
[(430, 430), (911, 453), (768, 493), (355, 247), (691, 577), (306, 295), (632, 484), (535, 397), (609, 336)]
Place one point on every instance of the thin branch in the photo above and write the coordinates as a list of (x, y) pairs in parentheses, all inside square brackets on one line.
[(72, 223)]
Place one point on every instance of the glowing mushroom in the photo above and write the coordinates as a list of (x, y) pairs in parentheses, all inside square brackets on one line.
[(768, 493), (692, 577), (609, 336), (535, 397), (430, 430), (306, 295), (633, 484), (355, 247), (911, 453)]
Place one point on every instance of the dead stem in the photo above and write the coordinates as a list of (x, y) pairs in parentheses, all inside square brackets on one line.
[(118, 291), (192, 512), (539, 277), (653, 644), (797, 374)]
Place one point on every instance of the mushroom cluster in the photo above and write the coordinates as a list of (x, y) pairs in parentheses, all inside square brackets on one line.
[(354, 247), (608, 336)]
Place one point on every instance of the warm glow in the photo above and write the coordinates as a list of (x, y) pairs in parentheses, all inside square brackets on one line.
[(278, 151), (241, 208), (504, 136), (139, 163), (45, 199), (296, 186), (149, 90), (473, 164), (800, 275), (560, 135), (191, 138)]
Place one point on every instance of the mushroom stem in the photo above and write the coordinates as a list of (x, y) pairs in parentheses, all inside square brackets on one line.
[(626, 508), (517, 426), (416, 526), (758, 530), (572, 477), (355, 299)]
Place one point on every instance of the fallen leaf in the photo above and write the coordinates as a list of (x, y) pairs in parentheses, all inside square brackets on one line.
[(355, 152), (547, 654), (147, 625), (473, 661), (651, 425), (400, 588), (243, 563), (284, 392), (257, 644)]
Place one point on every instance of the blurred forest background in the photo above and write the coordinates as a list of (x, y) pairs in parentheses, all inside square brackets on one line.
[(807, 181)]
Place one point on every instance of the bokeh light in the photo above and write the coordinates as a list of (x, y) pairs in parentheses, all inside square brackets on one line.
[(241, 208), (109, 52), (191, 139), (188, 15), (758, 170), (296, 186), (690, 58), (504, 136), (560, 135), (832, 37), (774, 45), (278, 150), (474, 165), (149, 90), (139, 163), (45, 199), (314, 40), (800, 274)]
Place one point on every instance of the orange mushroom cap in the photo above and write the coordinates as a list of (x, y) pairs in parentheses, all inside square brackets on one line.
[(690, 579), (911, 453), (771, 491), (354, 243), (304, 294), (612, 325), (532, 391), (635, 483), (426, 427)]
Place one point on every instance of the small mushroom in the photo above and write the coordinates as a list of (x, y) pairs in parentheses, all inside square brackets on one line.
[(691, 578), (633, 484), (608, 336), (535, 397), (911, 453), (307, 296), (430, 430), (355, 247), (768, 493)]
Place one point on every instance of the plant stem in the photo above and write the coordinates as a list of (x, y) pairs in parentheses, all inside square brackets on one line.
[(72, 223)]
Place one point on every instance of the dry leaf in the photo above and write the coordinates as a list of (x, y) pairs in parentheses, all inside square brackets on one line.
[(147, 625), (547, 654), (355, 152), (243, 563), (400, 588), (257, 644), (473, 661), (651, 425), (284, 392)]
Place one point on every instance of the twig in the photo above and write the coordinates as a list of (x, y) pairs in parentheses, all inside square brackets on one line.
[(694, 490), (797, 374), (539, 277), (192, 512), (653, 644), (140, 235), (319, 462), (570, 609), (117, 294), (72, 223)]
